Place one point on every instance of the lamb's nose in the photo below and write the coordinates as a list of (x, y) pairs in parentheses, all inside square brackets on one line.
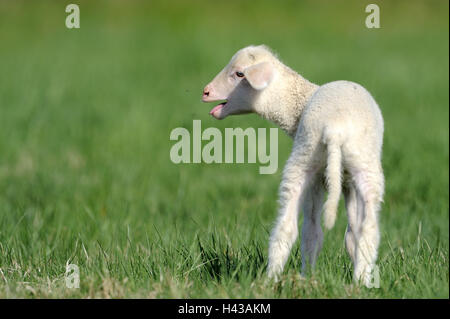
[(206, 92)]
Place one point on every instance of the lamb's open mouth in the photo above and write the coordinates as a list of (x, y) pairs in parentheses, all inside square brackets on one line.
[(218, 107)]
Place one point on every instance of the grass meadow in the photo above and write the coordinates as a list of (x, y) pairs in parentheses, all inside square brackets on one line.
[(85, 172)]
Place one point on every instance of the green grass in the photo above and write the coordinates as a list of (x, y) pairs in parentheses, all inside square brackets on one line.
[(85, 174)]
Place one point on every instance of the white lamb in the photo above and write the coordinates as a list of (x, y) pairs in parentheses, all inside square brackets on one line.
[(338, 135)]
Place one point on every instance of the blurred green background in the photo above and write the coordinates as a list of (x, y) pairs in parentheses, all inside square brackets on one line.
[(85, 173)]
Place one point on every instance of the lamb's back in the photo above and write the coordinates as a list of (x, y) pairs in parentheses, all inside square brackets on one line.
[(346, 107)]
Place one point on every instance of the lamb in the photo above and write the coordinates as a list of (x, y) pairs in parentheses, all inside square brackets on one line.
[(338, 134)]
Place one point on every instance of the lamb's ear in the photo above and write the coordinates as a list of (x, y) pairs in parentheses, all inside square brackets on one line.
[(259, 75)]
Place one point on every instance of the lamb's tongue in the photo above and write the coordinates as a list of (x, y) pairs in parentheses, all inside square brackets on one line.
[(216, 108)]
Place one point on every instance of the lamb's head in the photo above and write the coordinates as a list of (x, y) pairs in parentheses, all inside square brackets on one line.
[(250, 71)]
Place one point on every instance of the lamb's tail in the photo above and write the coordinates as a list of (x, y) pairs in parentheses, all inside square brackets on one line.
[(333, 178)]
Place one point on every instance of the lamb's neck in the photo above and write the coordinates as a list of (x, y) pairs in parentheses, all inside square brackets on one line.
[(287, 101)]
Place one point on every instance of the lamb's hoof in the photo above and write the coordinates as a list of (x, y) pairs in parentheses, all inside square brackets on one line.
[(369, 278), (273, 274)]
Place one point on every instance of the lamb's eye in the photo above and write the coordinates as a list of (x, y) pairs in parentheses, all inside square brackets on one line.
[(240, 74)]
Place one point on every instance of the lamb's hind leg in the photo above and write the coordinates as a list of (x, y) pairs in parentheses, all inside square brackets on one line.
[(351, 206), (312, 235), (370, 186), (296, 176)]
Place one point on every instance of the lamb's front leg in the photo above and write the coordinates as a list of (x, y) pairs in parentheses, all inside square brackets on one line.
[(295, 178)]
